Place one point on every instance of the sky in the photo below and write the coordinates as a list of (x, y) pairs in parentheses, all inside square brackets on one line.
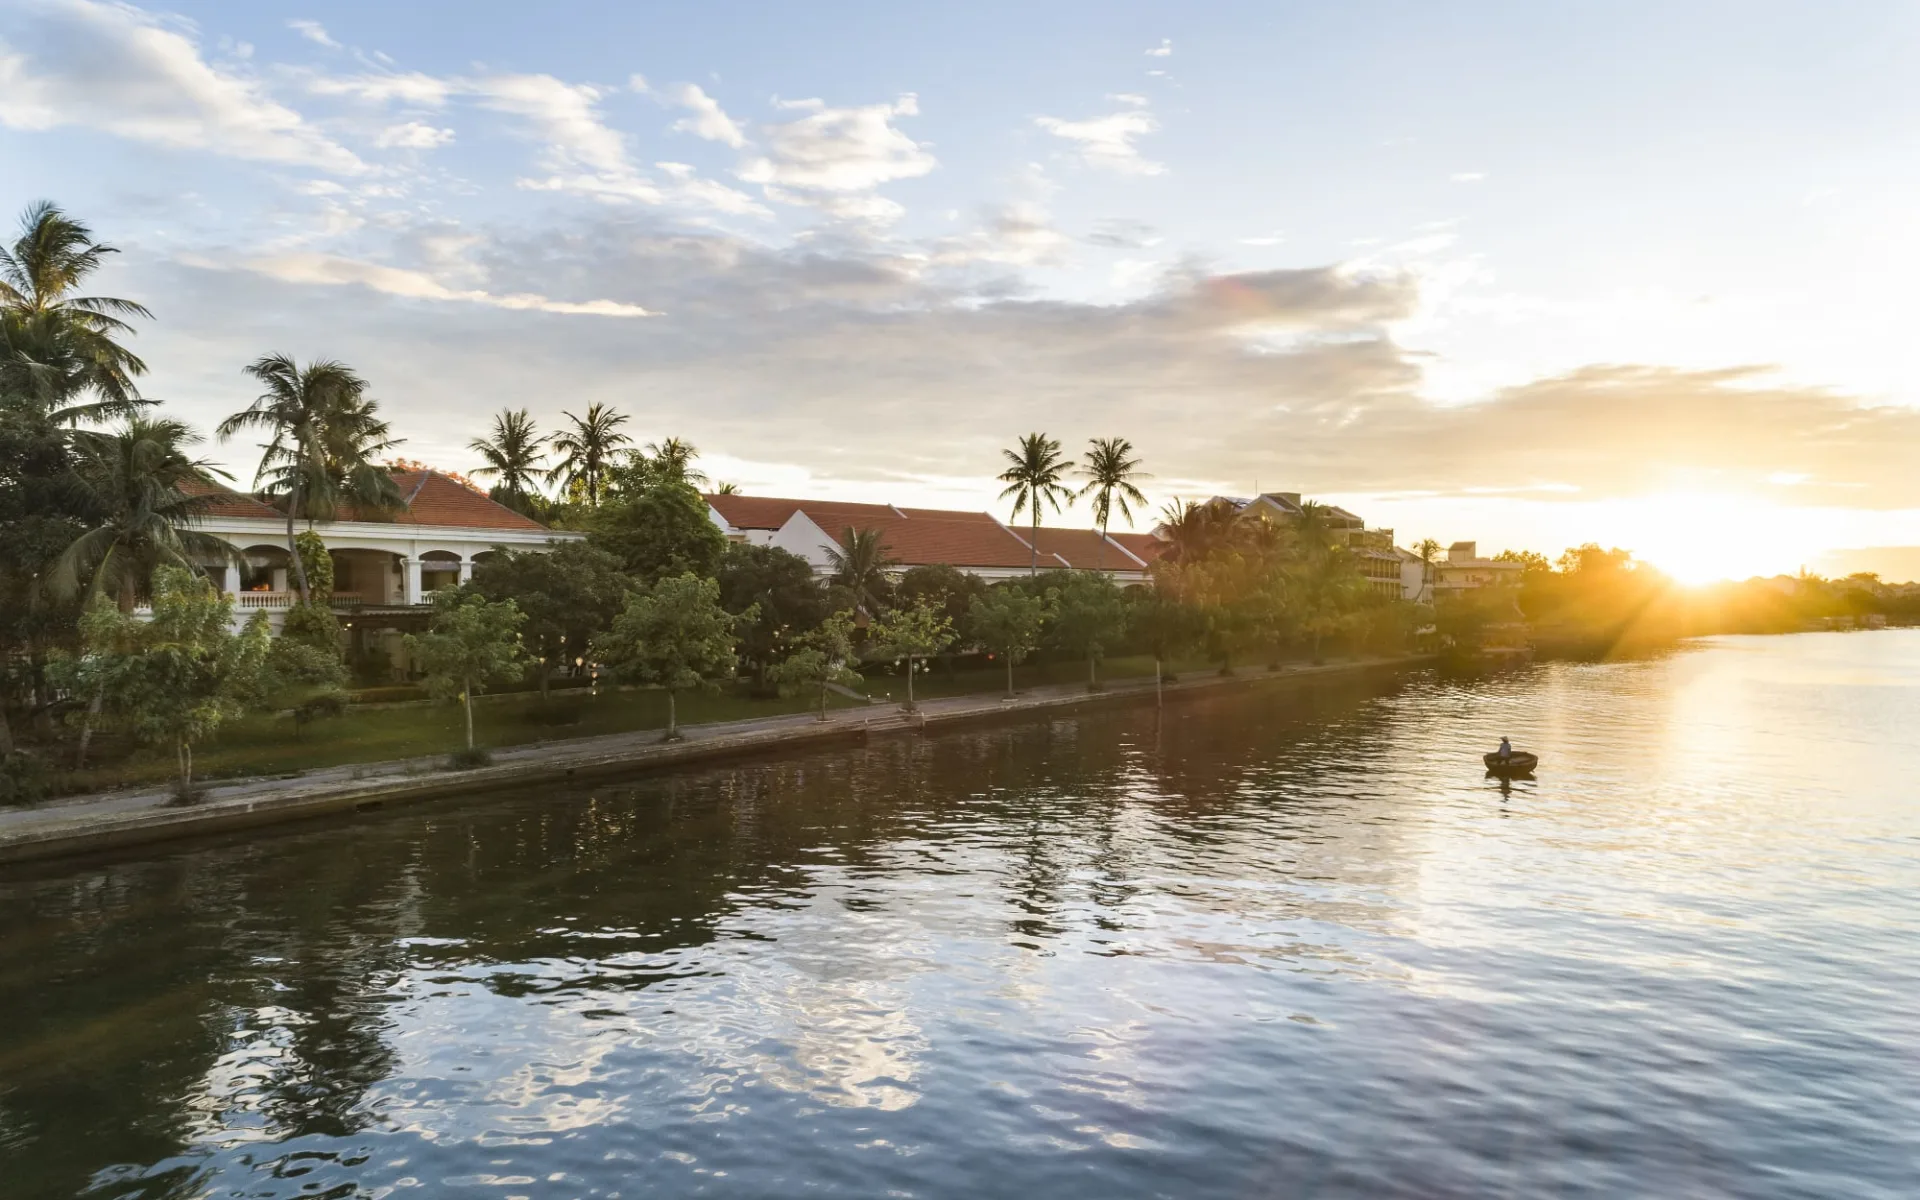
[(1529, 275)]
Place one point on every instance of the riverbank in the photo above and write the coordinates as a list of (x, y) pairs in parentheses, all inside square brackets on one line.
[(113, 821)]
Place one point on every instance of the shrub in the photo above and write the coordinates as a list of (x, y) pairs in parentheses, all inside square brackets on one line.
[(468, 757), (23, 779)]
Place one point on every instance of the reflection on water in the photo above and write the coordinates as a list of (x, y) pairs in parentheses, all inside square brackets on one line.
[(1260, 947)]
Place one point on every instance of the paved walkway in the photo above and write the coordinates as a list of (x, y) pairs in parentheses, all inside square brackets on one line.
[(97, 822)]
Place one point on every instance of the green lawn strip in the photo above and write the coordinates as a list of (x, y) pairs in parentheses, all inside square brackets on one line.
[(267, 745), (933, 682)]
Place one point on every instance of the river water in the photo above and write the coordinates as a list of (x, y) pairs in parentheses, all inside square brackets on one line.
[(1264, 945)]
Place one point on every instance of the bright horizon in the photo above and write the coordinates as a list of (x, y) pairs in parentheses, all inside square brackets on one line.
[(1525, 278)]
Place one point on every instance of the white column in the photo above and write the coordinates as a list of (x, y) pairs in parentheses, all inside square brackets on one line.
[(413, 580), (279, 579), (466, 569), (233, 578)]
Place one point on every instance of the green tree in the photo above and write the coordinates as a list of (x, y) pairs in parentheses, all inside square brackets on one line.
[(821, 658), (779, 588), (174, 679), (569, 594), (911, 633), (323, 434), (511, 454), (662, 532), (1009, 621), (56, 345), (42, 511), (950, 589), (665, 463), (674, 634), (1036, 476), (1166, 626), (1089, 616), (860, 565), (147, 496), (1112, 472), (588, 451), (471, 642)]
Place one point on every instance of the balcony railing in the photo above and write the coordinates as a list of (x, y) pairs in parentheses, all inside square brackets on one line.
[(341, 601)]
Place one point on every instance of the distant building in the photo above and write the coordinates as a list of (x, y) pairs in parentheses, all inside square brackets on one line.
[(975, 542), (1381, 564), (1463, 570)]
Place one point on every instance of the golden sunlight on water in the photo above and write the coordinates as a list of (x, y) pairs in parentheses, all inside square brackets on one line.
[(1262, 946)]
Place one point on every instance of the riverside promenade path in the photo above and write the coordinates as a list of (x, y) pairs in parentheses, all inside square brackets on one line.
[(116, 820)]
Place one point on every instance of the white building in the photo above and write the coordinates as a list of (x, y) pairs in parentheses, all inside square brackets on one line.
[(977, 543), (1463, 570), (384, 569)]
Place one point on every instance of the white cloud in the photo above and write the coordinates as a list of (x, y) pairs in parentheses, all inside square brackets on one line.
[(832, 158), (314, 32), (413, 135), (1270, 239), (114, 68), (410, 87), (1163, 50), (1467, 176), (1107, 142), (1133, 98), (1014, 235), (327, 269), (565, 116), (708, 120)]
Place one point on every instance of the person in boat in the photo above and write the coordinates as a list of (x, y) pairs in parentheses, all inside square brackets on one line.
[(1506, 750)]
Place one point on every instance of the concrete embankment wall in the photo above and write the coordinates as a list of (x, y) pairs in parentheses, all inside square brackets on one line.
[(116, 823)]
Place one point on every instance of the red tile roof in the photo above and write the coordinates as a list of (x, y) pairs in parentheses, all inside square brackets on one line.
[(1082, 548), (924, 541), (768, 512), (1143, 546), (431, 499), (225, 502)]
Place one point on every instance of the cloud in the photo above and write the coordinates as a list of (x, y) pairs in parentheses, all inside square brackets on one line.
[(413, 135), (114, 68), (833, 158), (1163, 50), (1467, 176), (1121, 234), (418, 285), (761, 352), (409, 87), (1013, 235), (707, 121), (1107, 142), (565, 117), (314, 32)]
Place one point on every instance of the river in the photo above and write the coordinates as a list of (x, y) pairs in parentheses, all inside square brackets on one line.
[(1258, 946)]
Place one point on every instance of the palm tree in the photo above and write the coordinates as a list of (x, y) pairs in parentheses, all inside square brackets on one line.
[(1111, 469), (1197, 528), (1035, 475), (671, 461), (589, 448), (1314, 532), (148, 496), (861, 564), (513, 454), (55, 345), (726, 489), (1428, 550), (323, 434)]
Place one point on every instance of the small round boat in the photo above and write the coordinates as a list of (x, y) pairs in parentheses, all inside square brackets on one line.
[(1517, 763)]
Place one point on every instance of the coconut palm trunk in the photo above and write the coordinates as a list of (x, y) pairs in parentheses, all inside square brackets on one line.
[(293, 547), (86, 727), (673, 717), (466, 705), (1009, 654)]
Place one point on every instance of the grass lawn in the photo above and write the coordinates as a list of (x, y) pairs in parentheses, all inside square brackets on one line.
[(933, 682), (268, 745)]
